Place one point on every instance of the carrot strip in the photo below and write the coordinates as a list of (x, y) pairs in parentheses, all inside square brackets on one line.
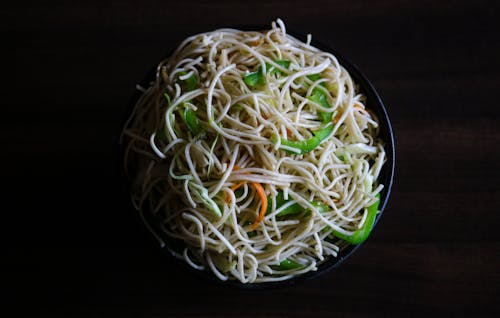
[(359, 106), (263, 207), (236, 186), (256, 42), (261, 195)]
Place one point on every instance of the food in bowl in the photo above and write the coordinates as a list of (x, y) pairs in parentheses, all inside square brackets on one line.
[(257, 154)]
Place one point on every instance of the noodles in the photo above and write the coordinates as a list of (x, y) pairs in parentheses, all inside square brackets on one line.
[(257, 153)]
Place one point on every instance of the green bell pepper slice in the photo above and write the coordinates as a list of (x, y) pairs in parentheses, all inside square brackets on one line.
[(307, 145), (288, 264), (280, 201), (189, 83), (362, 234), (320, 97), (294, 208), (258, 77), (192, 121), (273, 70), (189, 116)]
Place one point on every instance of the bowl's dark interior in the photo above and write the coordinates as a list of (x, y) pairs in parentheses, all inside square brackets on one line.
[(375, 104)]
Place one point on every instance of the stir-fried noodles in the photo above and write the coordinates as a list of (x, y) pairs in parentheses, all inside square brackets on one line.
[(257, 152)]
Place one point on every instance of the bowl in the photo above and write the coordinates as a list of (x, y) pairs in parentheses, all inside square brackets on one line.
[(374, 103)]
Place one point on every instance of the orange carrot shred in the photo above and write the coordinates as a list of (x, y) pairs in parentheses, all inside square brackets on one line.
[(256, 42), (261, 195), (359, 106), (236, 186), (263, 207)]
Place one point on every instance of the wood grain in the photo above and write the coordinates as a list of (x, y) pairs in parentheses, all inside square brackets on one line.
[(74, 246)]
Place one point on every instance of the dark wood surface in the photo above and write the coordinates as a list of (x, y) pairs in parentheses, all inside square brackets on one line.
[(73, 246)]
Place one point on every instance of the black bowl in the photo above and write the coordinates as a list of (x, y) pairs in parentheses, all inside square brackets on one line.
[(374, 103)]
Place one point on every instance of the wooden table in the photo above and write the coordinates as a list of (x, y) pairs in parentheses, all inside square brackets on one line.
[(73, 246)]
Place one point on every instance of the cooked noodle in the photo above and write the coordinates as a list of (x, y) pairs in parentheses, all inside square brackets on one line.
[(203, 178)]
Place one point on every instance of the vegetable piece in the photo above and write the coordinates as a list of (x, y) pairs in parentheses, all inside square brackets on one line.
[(322, 208), (307, 145), (192, 121), (189, 115), (294, 208), (359, 106), (263, 207), (202, 194), (315, 77), (189, 83), (362, 234), (336, 118), (273, 70), (320, 97), (288, 264), (235, 187), (280, 201), (284, 63), (258, 77), (256, 42)]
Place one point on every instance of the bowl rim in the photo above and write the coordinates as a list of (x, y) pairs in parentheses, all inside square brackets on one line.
[(388, 170)]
